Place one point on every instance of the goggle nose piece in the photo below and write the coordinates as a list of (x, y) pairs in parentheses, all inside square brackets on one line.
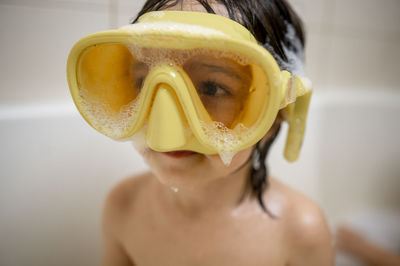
[(166, 126)]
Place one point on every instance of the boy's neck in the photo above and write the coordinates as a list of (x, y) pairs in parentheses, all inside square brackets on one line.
[(222, 194)]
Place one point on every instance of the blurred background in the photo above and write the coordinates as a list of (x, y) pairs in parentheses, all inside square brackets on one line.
[(55, 170)]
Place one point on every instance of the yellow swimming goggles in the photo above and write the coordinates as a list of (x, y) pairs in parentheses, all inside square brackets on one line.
[(189, 81)]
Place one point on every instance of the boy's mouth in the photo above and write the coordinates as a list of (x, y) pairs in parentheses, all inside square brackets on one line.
[(179, 154)]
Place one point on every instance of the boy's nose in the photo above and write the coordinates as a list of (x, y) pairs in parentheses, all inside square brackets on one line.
[(166, 127)]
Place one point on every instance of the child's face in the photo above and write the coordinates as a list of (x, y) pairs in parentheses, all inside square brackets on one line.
[(186, 169)]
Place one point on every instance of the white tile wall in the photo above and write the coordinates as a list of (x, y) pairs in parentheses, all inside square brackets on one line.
[(315, 56), (53, 182), (351, 44), (89, 5), (128, 10), (368, 16), (312, 12), (357, 63), (35, 49), (359, 158), (56, 3)]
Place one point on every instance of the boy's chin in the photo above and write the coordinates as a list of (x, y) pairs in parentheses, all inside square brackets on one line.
[(190, 170), (180, 169), (181, 180)]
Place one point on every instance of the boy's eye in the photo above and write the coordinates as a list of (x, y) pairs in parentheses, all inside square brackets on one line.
[(139, 83), (210, 88)]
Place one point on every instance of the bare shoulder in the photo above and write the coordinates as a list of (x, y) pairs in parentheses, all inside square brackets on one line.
[(306, 230), (119, 206), (124, 196), (301, 215)]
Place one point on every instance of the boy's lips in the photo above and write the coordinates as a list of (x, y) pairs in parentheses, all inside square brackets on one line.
[(179, 154)]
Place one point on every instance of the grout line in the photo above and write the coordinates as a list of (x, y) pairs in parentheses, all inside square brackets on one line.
[(49, 4)]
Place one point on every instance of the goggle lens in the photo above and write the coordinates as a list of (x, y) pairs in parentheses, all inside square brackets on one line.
[(111, 78)]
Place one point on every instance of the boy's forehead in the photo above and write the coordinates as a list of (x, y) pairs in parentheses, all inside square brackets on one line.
[(193, 5)]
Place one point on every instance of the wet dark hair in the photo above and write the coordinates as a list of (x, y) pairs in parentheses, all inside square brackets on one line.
[(268, 21)]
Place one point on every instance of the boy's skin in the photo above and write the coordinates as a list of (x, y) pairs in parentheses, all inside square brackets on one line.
[(146, 222), (143, 226)]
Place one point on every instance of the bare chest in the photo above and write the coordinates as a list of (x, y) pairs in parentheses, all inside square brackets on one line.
[(250, 240)]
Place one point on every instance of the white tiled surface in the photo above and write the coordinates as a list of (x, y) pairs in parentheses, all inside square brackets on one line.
[(361, 63), (368, 16), (316, 55), (311, 11), (53, 182), (359, 159), (88, 5), (128, 10), (351, 43), (57, 3), (35, 47)]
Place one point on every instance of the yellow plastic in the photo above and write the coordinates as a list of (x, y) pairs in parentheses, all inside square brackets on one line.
[(297, 115), (166, 117), (168, 101)]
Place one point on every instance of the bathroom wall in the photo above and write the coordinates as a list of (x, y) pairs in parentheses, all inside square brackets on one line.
[(55, 170), (352, 44)]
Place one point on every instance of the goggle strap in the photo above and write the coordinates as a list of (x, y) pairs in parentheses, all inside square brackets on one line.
[(296, 116), (293, 87)]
